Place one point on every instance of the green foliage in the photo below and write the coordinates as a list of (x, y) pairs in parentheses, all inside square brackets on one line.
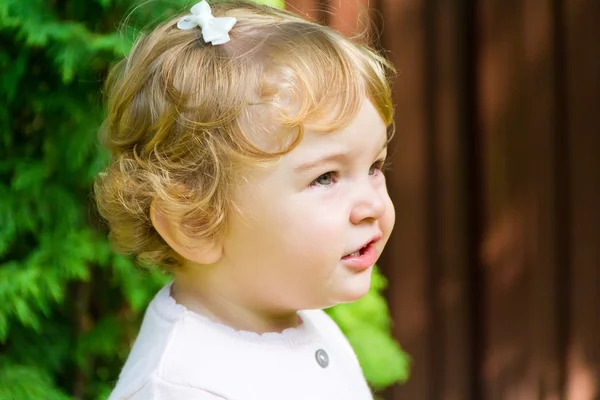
[(69, 306), (17, 383), (272, 3)]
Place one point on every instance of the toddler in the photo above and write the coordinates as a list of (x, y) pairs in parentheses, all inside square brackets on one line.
[(247, 153)]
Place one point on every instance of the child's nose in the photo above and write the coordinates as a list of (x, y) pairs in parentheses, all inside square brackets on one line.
[(370, 204)]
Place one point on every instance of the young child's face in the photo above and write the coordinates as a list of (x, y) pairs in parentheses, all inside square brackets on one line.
[(301, 218)]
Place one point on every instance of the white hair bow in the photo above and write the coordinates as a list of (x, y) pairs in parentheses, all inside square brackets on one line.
[(214, 30)]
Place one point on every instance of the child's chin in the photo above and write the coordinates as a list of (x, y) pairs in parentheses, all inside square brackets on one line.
[(355, 291)]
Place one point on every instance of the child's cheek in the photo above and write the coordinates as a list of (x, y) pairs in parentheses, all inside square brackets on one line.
[(389, 218)]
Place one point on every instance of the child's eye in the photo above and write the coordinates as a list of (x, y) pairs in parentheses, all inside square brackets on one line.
[(378, 166), (324, 180)]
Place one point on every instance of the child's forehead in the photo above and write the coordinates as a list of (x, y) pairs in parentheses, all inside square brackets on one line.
[(366, 132)]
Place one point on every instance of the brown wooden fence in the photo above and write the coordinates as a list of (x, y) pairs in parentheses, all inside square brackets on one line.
[(494, 264)]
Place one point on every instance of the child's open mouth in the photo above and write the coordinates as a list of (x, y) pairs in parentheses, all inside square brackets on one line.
[(357, 253), (362, 258)]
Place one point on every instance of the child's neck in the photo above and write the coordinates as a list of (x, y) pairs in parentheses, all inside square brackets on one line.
[(200, 295)]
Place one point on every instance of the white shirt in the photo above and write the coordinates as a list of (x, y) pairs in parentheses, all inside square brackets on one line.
[(182, 355)]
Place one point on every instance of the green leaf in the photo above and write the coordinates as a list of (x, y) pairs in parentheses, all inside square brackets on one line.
[(24, 382), (272, 3)]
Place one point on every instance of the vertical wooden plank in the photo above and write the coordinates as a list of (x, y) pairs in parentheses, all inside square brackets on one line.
[(541, 130), (406, 261), (450, 246), (583, 94), (508, 201)]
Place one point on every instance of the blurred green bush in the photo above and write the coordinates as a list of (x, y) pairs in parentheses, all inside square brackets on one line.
[(69, 306)]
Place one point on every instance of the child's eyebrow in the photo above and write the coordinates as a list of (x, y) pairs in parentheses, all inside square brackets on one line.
[(339, 157), (333, 157)]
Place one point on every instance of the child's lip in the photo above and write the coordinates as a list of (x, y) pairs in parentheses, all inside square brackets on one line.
[(371, 242), (366, 258)]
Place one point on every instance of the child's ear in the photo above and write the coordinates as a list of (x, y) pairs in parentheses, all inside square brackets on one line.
[(200, 251)]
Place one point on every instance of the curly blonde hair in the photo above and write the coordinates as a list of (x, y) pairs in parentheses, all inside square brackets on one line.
[(185, 116)]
